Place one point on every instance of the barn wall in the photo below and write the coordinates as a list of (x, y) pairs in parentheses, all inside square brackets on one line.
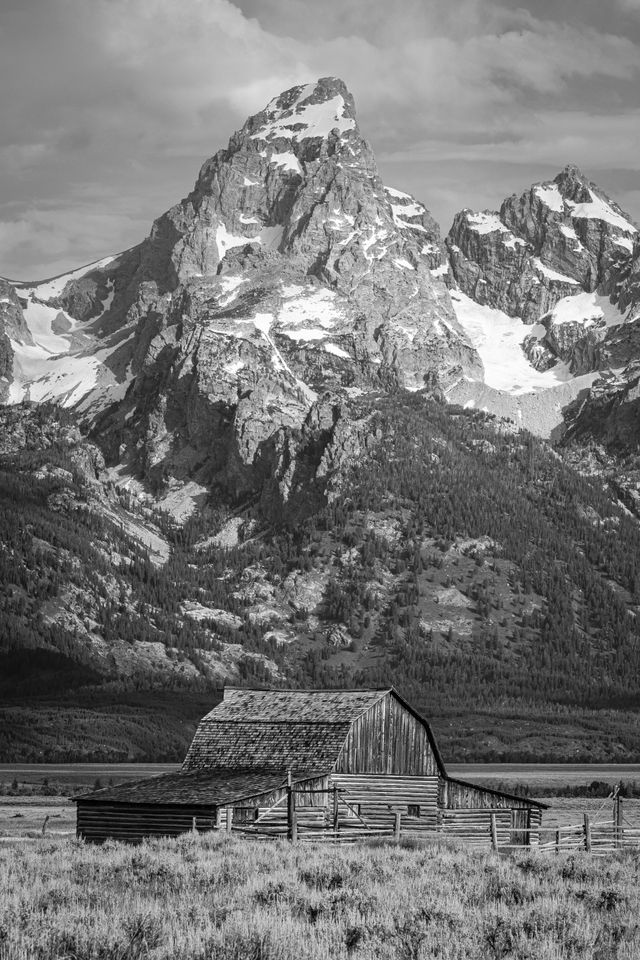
[(376, 798), (388, 739), (122, 821), (456, 795)]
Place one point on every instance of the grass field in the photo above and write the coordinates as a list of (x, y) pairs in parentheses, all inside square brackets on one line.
[(227, 899)]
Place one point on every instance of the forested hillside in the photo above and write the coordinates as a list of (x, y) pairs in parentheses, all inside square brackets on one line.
[(463, 562)]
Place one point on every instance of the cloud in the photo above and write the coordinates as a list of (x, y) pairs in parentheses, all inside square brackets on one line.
[(120, 101), (46, 242)]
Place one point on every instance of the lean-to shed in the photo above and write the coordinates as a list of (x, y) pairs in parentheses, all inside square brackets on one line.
[(356, 760)]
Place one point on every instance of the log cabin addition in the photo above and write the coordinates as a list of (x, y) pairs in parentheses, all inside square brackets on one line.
[(310, 764)]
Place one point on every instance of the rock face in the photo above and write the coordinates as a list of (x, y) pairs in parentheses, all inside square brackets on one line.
[(12, 328), (290, 273), (548, 257)]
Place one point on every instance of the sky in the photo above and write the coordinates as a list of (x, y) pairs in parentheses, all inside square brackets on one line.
[(110, 107)]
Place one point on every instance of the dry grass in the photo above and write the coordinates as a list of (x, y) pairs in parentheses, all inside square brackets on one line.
[(213, 898), (25, 816)]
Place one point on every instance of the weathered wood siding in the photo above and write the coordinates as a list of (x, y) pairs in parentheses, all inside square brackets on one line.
[(388, 739), (377, 798), (456, 795), (514, 826), (473, 825), (271, 808), (97, 822)]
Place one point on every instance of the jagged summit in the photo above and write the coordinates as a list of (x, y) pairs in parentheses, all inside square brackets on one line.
[(559, 237), (543, 287), (305, 112)]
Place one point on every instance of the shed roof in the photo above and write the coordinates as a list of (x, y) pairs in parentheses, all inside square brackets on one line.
[(206, 787)]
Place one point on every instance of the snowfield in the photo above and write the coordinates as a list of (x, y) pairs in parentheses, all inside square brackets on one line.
[(498, 339), (66, 363)]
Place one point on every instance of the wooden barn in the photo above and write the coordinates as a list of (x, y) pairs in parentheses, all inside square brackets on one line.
[(310, 764)]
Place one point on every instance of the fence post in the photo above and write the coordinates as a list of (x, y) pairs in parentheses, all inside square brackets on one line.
[(335, 810), (44, 825), (218, 819), (494, 831), (587, 833), (557, 841), (229, 819), (292, 825), (397, 825), (620, 830), (194, 828)]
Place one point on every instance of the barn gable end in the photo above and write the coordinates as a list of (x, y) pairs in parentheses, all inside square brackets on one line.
[(392, 739)]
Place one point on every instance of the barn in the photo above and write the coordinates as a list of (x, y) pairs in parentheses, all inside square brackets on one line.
[(307, 764)]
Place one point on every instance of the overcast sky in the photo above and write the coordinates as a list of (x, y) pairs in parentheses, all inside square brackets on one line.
[(109, 107)]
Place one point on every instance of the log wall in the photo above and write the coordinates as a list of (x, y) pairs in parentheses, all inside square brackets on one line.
[(456, 795), (377, 798), (389, 739), (97, 822)]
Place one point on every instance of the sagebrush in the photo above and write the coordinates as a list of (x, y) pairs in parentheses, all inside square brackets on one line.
[(216, 898)]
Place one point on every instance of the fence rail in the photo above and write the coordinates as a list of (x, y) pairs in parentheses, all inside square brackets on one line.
[(340, 822)]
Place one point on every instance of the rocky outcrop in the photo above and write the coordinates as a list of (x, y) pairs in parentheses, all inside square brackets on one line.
[(12, 328), (628, 283)]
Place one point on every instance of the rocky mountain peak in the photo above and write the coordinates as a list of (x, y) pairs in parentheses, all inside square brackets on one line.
[(570, 179), (290, 274), (304, 112), (558, 238), (558, 259)]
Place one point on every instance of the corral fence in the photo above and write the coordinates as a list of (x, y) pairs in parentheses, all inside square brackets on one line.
[(338, 820)]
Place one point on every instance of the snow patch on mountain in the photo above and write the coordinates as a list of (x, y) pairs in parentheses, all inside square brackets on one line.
[(586, 308), (486, 222), (286, 160), (598, 209), (550, 196), (552, 274), (498, 338), (304, 120)]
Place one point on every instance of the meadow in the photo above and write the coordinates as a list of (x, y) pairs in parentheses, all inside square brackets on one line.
[(219, 898)]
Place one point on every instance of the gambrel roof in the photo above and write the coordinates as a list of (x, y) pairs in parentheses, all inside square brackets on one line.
[(277, 729)]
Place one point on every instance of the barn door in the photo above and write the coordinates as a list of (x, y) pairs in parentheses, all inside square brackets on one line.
[(520, 824)]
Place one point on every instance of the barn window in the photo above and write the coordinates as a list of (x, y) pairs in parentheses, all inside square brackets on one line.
[(413, 810), (353, 809), (246, 814)]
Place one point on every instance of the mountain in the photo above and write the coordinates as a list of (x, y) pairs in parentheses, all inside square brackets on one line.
[(240, 451), (456, 557), (289, 279)]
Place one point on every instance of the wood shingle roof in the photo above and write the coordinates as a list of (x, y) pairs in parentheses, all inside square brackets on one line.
[(277, 729), (295, 706), (206, 787)]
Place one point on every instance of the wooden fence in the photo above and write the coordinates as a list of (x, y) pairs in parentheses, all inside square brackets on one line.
[(338, 820)]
